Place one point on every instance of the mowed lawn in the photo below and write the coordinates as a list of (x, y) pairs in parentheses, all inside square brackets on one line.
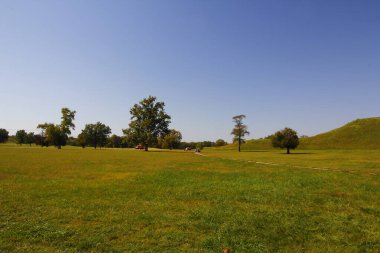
[(118, 200)]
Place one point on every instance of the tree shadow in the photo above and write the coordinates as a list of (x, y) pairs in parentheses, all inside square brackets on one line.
[(255, 151), (300, 153)]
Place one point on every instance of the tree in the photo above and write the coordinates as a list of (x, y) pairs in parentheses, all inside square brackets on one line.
[(171, 140), (67, 122), (4, 135), (21, 136), (114, 141), (58, 135), (53, 135), (82, 139), (30, 139), (240, 130), (220, 143), (149, 121), (40, 140), (285, 138), (96, 134)]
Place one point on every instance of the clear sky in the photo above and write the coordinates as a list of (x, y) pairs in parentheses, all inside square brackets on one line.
[(312, 65)]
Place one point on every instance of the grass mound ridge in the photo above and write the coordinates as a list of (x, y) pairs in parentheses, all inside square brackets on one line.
[(360, 134)]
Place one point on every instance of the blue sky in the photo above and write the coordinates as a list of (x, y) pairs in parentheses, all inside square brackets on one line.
[(309, 65)]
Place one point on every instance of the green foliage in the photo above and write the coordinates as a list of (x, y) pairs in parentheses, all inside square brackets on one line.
[(220, 142), (30, 138), (285, 138), (240, 130), (57, 135), (171, 140), (148, 122), (53, 134), (95, 134), (67, 122), (82, 139), (4, 135), (115, 141), (21, 137)]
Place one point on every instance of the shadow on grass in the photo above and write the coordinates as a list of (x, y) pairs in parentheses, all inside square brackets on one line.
[(256, 151), (301, 153)]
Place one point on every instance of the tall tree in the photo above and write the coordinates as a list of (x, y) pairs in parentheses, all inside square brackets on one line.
[(21, 136), (240, 130), (4, 135), (285, 138), (58, 135), (67, 120), (149, 121), (96, 134)]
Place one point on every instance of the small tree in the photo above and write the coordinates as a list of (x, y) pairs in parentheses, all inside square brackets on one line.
[(30, 139), (285, 138), (96, 134), (82, 139), (4, 135), (171, 140), (114, 141), (149, 121), (21, 136), (240, 130), (220, 143)]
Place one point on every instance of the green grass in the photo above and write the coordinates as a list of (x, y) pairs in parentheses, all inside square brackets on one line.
[(117, 200)]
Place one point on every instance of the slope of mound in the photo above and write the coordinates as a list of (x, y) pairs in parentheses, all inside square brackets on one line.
[(360, 134)]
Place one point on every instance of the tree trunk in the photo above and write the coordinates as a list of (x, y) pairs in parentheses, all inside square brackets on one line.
[(239, 143), (287, 151), (59, 147), (145, 147)]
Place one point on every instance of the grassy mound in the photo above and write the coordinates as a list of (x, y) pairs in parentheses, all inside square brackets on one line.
[(358, 134)]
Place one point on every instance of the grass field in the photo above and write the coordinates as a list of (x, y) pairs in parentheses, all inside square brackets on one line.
[(118, 200)]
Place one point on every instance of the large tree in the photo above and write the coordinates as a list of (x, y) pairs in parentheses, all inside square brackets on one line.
[(149, 121), (58, 135), (95, 134), (239, 130), (4, 135), (285, 138)]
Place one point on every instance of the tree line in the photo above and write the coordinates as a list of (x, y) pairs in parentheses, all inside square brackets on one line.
[(149, 127)]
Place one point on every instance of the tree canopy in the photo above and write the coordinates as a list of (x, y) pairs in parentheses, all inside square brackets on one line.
[(149, 121), (220, 142), (21, 137), (285, 138), (239, 130), (57, 135), (94, 135), (171, 140)]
